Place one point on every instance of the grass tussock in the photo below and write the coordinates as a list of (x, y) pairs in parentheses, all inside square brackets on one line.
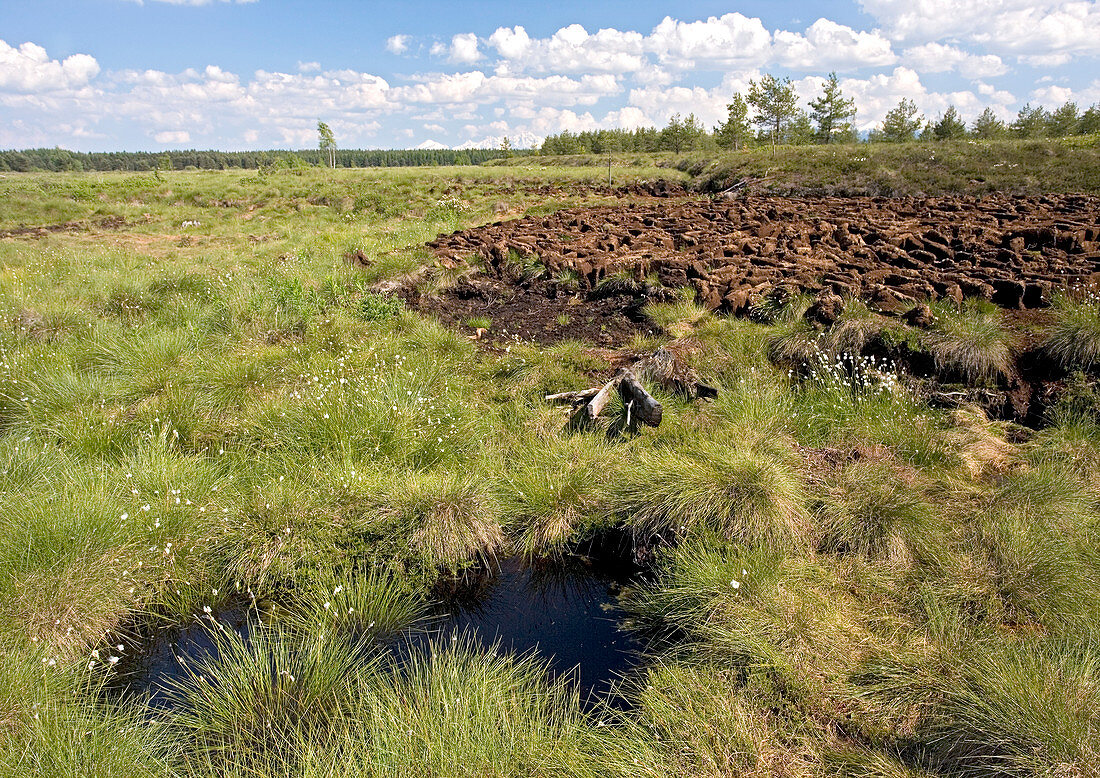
[(1036, 533), (374, 602), (448, 519), (981, 445), (972, 343), (469, 711), (249, 701), (708, 720), (677, 319), (750, 494), (74, 738), (876, 510), (1073, 338), (284, 708), (1016, 708)]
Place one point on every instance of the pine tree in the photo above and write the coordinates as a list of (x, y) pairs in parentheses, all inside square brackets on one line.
[(799, 131), (1065, 121), (734, 131), (950, 126), (901, 123), (775, 104), (987, 126), (693, 132), (1030, 122), (1090, 121), (832, 112), (674, 137)]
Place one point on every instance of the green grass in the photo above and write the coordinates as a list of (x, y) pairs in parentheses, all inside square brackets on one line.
[(1073, 338), (190, 415), (995, 707), (746, 493), (883, 169), (972, 344)]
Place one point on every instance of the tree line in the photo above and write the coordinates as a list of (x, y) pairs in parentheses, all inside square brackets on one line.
[(769, 113), (904, 123), (57, 159)]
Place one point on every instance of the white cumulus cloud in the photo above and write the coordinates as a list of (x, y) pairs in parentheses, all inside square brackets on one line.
[(939, 57), (827, 45), (1055, 95), (398, 44), (569, 50), (463, 49), (30, 69), (1043, 32), (731, 38), (173, 137)]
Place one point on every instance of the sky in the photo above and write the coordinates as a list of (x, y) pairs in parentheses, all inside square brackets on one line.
[(114, 75)]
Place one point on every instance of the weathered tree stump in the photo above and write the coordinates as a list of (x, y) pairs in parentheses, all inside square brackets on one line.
[(663, 367)]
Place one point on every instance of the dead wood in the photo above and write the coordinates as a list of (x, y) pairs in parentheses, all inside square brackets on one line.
[(664, 367)]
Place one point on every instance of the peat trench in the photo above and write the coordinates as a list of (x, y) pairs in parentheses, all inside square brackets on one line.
[(588, 273), (564, 610)]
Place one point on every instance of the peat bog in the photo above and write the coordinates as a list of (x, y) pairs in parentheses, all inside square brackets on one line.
[(866, 519)]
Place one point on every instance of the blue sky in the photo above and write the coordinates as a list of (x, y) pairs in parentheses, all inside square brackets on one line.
[(232, 74)]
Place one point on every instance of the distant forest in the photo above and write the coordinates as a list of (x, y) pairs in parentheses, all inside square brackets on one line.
[(60, 159), (769, 113)]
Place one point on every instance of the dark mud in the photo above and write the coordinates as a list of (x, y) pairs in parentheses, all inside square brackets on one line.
[(893, 253)]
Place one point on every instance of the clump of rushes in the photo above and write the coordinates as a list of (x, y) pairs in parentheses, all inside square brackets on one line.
[(780, 307), (1073, 338), (695, 586), (876, 510), (700, 718), (551, 492), (750, 494), (791, 617), (993, 705), (372, 602), (972, 343), (76, 736), (466, 710), (855, 328), (246, 702), (1036, 532), (795, 344), (447, 519), (679, 318), (757, 405)]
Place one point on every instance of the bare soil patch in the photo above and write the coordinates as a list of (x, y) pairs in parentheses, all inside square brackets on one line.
[(587, 273), (891, 252), (109, 223)]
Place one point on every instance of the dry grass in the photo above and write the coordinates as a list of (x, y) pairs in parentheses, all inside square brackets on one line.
[(980, 444), (449, 519)]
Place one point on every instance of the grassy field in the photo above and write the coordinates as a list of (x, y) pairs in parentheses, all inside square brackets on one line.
[(203, 400), (887, 169)]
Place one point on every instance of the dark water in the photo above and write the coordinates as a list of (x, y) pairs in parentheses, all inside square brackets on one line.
[(162, 657), (563, 611)]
